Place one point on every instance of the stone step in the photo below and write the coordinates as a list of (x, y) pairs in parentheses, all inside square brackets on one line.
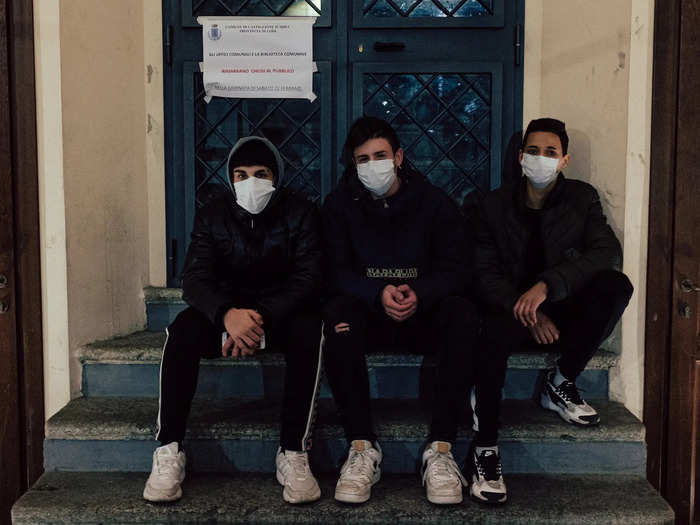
[(130, 367), (109, 498), (162, 306), (117, 434)]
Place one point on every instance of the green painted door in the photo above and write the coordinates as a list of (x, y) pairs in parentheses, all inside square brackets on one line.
[(445, 73)]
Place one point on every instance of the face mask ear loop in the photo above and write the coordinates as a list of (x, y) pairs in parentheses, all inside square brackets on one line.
[(231, 184)]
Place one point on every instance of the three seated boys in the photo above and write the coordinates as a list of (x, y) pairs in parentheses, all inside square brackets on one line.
[(388, 261)]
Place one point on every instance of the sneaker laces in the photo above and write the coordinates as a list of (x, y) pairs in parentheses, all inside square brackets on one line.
[(488, 465), (568, 391), (441, 468), (166, 465), (299, 462), (359, 466)]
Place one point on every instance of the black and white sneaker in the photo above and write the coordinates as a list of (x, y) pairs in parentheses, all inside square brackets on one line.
[(485, 475), (566, 401)]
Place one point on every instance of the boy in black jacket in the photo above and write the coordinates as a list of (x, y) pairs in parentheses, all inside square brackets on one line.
[(395, 246), (545, 259), (253, 272)]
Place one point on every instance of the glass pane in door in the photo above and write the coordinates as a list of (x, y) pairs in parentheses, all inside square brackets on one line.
[(256, 7), (444, 122), (427, 8), (191, 9), (293, 125)]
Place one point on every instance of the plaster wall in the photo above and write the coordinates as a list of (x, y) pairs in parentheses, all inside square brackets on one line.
[(103, 85), (52, 223)]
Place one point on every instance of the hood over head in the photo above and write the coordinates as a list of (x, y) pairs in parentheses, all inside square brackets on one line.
[(278, 169)]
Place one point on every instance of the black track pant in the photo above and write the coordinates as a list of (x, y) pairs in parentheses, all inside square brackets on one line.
[(449, 331), (192, 336), (584, 321)]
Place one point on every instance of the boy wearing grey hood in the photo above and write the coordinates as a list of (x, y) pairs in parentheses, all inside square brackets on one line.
[(252, 278)]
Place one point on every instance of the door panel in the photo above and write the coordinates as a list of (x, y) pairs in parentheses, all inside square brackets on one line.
[(451, 88), (672, 361), (21, 362), (10, 437), (444, 115), (694, 504), (300, 129), (685, 323), (199, 134)]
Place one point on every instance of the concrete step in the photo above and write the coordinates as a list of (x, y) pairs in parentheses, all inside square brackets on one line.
[(109, 498), (162, 306), (129, 367), (117, 434)]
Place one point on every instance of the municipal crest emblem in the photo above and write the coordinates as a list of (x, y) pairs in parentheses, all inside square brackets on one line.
[(214, 32)]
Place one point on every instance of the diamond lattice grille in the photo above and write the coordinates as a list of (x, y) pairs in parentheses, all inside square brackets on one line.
[(256, 7), (293, 125), (443, 122), (428, 8)]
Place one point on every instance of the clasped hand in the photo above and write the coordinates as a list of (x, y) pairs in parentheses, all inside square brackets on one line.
[(245, 330), (399, 302)]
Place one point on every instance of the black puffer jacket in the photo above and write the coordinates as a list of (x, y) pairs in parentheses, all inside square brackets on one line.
[(414, 237), (578, 242), (270, 262)]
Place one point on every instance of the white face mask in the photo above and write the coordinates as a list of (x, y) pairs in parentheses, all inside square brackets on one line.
[(253, 194), (541, 171), (377, 175)]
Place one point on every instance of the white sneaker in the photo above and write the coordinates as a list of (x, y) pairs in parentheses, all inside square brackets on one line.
[(167, 474), (486, 477), (359, 473), (565, 400), (441, 476), (294, 474)]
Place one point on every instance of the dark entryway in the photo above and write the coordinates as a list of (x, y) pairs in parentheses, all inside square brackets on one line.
[(446, 73)]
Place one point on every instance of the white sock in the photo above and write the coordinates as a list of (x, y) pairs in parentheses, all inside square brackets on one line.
[(479, 450), (559, 377)]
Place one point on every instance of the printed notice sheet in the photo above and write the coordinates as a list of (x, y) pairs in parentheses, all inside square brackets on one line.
[(258, 57)]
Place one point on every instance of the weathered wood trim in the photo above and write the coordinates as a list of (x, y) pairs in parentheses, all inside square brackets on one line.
[(660, 248)]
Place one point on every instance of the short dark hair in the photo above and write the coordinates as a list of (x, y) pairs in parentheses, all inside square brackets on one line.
[(550, 125), (364, 129)]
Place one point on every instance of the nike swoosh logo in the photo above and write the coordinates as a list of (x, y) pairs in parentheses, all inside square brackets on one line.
[(555, 397)]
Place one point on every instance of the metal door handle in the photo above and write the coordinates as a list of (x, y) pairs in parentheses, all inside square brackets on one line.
[(688, 286), (389, 47)]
